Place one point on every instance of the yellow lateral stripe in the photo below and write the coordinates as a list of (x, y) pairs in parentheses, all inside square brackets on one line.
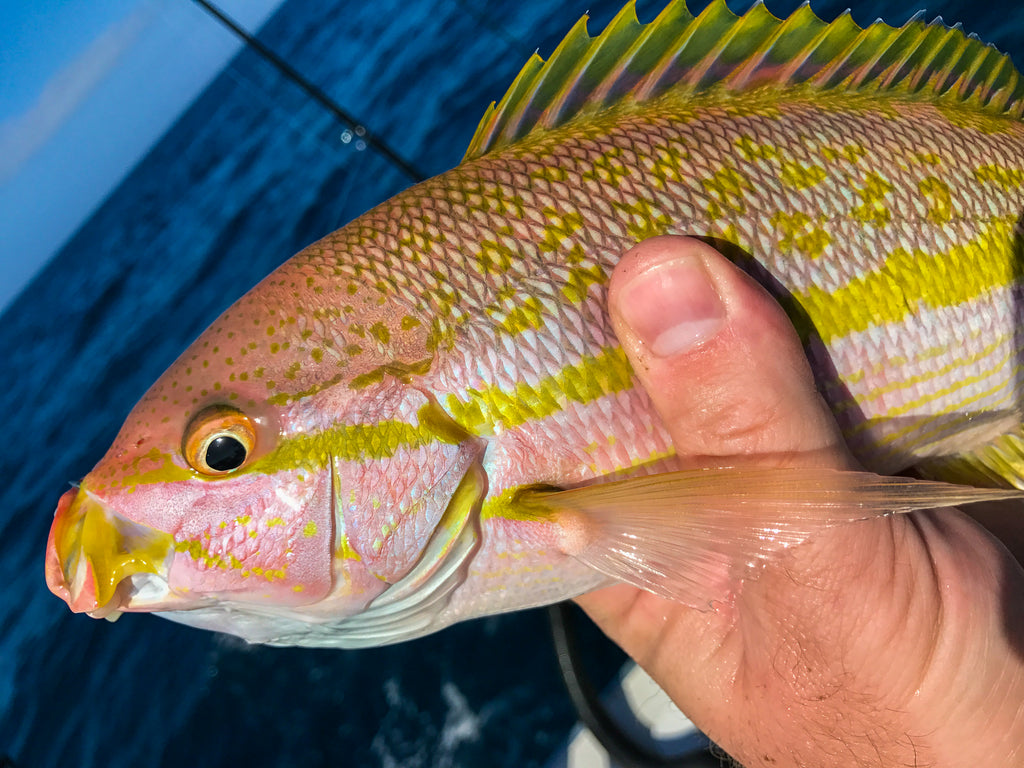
[(348, 442), (920, 378), (950, 426), (941, 394), (962, 418), (583, 382), (284, 398), (910, 381), (895, 361), (886, 297)]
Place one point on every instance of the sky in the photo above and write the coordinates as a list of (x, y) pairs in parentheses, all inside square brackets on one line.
[(86, 88)]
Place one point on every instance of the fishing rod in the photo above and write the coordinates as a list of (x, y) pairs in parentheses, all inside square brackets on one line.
[(313, 91), (622, 744)]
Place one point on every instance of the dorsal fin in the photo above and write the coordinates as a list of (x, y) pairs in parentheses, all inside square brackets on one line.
[(737, 53)]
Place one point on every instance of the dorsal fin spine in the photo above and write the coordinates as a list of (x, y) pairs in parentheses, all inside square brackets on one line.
[(949, 46), (914, 39), (562, 62), (648, 53), (744, 77), (624, 23), (969, 85), (826, 45), (623, 78), (675, 16), (704, 42), (489, 124)]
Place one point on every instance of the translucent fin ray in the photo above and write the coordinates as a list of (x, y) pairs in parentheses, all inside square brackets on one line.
[(691, 536), (717, 49)]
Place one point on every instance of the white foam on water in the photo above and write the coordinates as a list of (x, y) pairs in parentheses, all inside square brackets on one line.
[(461, 724), (407, 738)]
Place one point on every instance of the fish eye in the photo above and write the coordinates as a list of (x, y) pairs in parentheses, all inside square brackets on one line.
[(218, 440)]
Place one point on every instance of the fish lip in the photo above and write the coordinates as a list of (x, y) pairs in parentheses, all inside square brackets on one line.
[(94, 556), (56, 579)]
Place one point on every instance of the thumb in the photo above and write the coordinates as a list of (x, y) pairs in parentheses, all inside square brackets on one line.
[(719, 359)]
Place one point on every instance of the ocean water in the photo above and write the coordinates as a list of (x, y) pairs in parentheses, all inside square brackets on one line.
[(251, 173)]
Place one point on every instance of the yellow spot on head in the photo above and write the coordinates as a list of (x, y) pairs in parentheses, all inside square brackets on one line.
[(345, 550), (380, 332)]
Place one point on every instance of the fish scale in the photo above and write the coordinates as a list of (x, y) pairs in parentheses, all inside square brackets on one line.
[(431, 365), (537, 281)]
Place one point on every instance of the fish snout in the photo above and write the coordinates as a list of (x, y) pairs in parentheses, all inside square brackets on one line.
[(93, 553)]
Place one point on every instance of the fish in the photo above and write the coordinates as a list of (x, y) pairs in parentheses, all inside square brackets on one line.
[(425, 417)]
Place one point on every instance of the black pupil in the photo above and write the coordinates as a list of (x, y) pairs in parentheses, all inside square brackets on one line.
[(225, 453)]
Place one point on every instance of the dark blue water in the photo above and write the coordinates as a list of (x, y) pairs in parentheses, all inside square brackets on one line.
[(249, 175)]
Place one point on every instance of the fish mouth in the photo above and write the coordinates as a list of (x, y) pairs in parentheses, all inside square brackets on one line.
[(101, 563)]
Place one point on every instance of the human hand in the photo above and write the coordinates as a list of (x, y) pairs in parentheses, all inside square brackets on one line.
[(895, 641)]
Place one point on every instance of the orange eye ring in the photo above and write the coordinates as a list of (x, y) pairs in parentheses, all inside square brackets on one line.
[(218, 440)]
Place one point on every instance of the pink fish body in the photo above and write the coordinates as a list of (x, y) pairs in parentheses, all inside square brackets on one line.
[(357, 451)]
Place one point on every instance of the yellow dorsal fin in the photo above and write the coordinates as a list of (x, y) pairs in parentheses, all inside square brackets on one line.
[(678, 51)]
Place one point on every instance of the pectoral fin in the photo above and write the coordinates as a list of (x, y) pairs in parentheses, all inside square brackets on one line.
[(689, 535)]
